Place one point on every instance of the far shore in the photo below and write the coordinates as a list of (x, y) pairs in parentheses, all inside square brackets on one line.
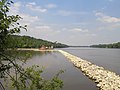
[(35, 49)]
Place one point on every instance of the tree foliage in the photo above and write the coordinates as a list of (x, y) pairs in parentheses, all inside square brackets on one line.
[(36, 82), (10, 70), (114, 45), (30, 42), (8, 23)]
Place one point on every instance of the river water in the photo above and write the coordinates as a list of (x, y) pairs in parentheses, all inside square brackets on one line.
[(107, 58), (73, 78)]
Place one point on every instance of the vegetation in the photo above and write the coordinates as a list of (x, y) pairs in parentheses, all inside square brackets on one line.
[(114, 45), (19, 77), (30, 42)]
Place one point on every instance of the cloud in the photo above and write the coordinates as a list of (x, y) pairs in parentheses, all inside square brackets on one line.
[(70, 13), (79, 30), (42, 31), (35, 27), (64, 13), (115, 26), (32, 6), (43, 28), (27, 19), (109, 22), (49, 6), (107, 19), (46, 29), (80, 23), (32, 3), (84, 32), (14, 9), (91, 35)]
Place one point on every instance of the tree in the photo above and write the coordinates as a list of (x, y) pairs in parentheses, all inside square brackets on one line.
[(30, 42), (114, 45), (22, 79), (8, 24)]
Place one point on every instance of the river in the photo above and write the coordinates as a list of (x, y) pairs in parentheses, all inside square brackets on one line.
[(73, 78), (107, 58)]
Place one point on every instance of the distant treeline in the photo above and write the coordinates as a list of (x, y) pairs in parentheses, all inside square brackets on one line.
[(79, 46), (31, 42), (114, 45)]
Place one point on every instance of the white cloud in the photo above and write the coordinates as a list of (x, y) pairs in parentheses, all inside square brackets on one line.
[(79, 30), (14, 9), (107, 19), (35, 28), (99, 14), (43, 27), (32, 6), (115, 26), (51, 6), (43, 31), (32, 3), (109, 22), (92, 35), (64, 13), (69, 13), (80, 23), (64, 29), (46, 29), (27, 19)]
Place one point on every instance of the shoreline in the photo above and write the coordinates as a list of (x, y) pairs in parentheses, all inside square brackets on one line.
[(105, 79), (35, 49)]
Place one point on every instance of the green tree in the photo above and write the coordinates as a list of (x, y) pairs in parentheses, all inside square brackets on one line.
[(114, 45), (22, 79), (30, 42)]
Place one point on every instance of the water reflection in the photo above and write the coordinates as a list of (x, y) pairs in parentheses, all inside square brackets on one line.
[(23, 55), (53, 62), (73, 78)]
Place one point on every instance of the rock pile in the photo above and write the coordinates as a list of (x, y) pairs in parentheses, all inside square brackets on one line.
[(105, 79)]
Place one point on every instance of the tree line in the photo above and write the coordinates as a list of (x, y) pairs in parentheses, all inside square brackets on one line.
[(17, 41), (114, 45)]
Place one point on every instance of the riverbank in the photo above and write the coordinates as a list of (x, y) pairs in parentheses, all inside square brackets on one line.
[(33, 49), (105, 79), (72, 78)]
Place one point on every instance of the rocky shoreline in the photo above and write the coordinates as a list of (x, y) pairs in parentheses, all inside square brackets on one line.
[(105, 79)]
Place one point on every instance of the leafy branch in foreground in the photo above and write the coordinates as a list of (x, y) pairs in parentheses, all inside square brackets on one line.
[(10, 70), (8, 23), (29, 78), (34, 80)]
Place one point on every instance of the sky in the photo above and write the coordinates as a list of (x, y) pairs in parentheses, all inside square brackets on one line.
[(72, 22)]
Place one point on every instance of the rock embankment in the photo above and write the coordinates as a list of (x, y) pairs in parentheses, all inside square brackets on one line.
[(105, 79)]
